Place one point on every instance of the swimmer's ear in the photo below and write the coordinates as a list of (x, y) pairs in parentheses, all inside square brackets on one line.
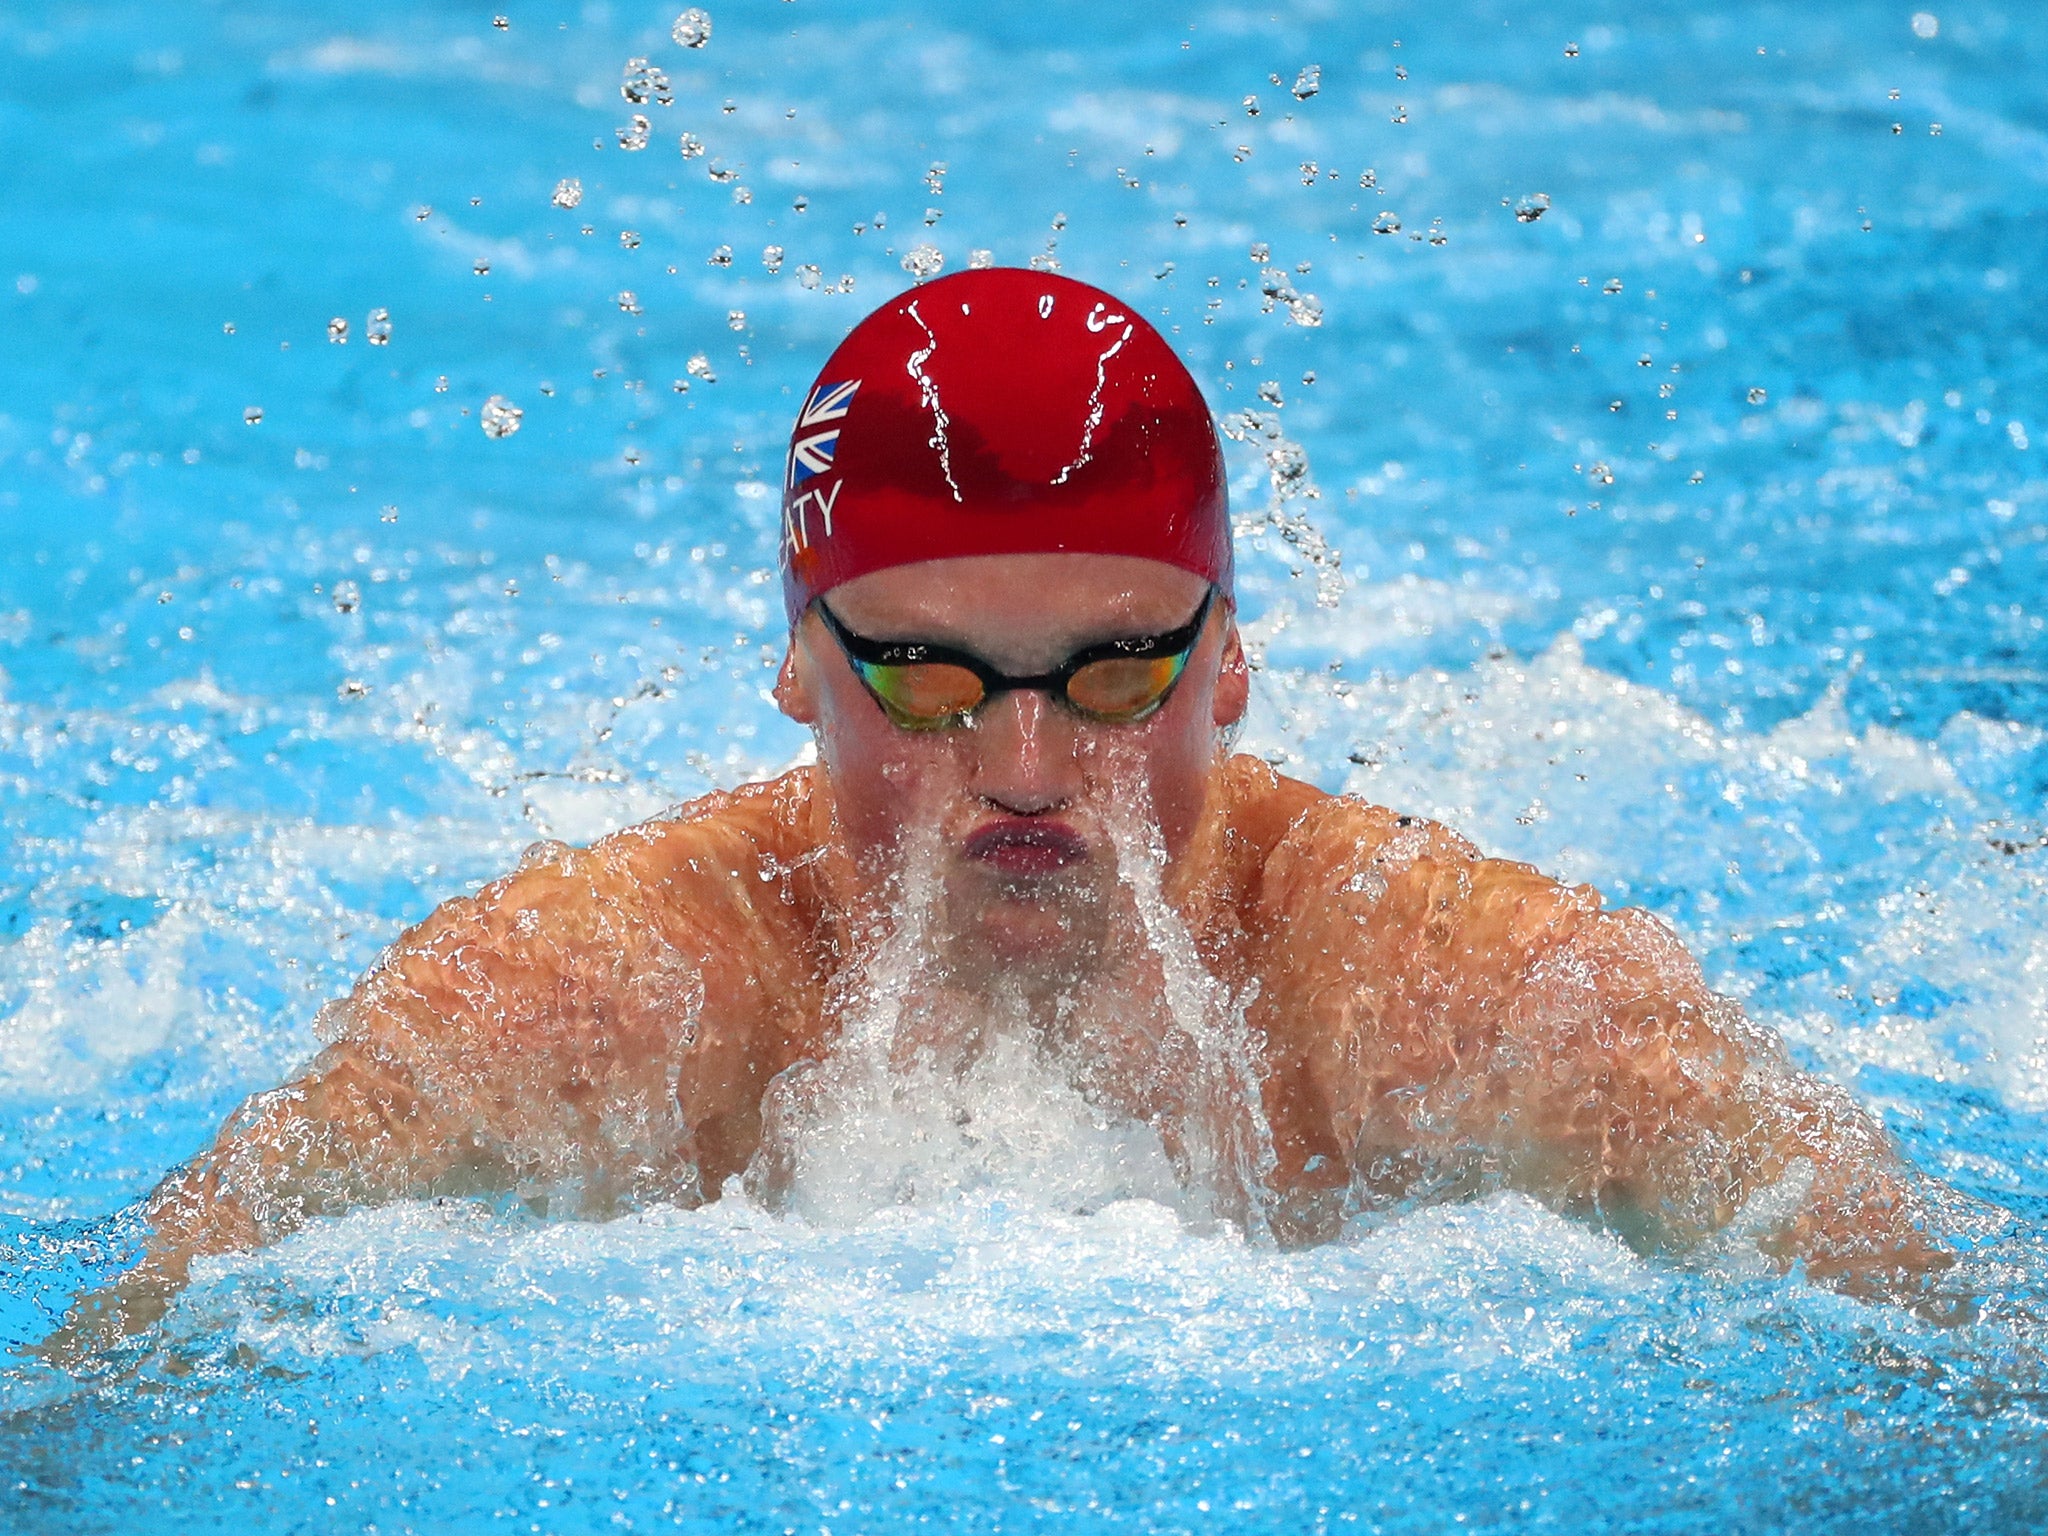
[(1233, 682), (792, 691)]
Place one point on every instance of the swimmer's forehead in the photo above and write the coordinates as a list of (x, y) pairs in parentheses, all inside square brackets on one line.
[(1033, 609)]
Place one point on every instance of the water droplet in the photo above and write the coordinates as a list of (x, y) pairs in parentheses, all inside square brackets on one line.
[(352, 689), (512, 587), (771, 258), (482, 267), (980, 259), (1251, 106), (568, 192), (1898, 127), (721, 257), (390, 514), (1270, 392), (253, 414), (644, 82), (801, 204), (923, 262), (227, 328), (1612, 285), (1386, 223), (1261, 252), (932, 216), (424, 212), (1308, 82), (1400, 71), (809, 276), (1891, 95), (1571, 50), (441, 385), (348, 597), (337, 331), (1926, 24), (736, 319), (1934, 130), (1531, 208), (1309, 172), (1400, 115), (629, 239), (634, 135), (502, 23), (935, 178), (1759, 396), (743, 195), (500, 417), (1600, 474), (692, 146), (692, 29), (1241, 153), (628, 301), (720, 173), (699, 367), (633, 456), (1643, 361)]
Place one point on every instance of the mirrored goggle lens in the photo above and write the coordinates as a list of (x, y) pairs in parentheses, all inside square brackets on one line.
[(1123, 688), (923, 695)]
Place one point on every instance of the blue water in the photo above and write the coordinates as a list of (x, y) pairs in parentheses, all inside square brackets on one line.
[(1773, 666)]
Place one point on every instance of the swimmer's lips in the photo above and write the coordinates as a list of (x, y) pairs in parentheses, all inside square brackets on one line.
[(1023, 849)]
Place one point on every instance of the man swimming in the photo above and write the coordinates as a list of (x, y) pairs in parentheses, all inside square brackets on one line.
[(1007, 568)]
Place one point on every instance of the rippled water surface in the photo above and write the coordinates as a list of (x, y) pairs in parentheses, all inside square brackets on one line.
[(1682, 447)]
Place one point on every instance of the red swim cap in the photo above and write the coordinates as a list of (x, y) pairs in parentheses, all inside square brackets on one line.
[(1001, 411)]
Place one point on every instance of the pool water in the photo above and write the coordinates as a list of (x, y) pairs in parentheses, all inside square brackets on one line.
[(1661, 501)]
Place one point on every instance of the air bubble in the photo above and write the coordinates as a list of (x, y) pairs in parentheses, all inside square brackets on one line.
[(502, 23), (1261, 252), (692, 146), (736, 319), (1400, 115), (1532, 207), (1309, 172), (1308, 82), (935, 178), (1612, 285), (699, 367), (692, 29), (1387, 223), (771, 259), (923, 262), (482, 268), (1759, 396), (253, 414), (628, 301), (1926, 25), (1571, 50), (809, 276), (337, 331), (1270, 392), (743, 195), (352, 689), (629, 239), (348, 597), (721, 257), (500, 417), (635, 134), (568, 192), (980, 259), (1251, 106)]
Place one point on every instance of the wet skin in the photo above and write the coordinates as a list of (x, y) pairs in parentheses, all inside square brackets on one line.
[(600, 1027)]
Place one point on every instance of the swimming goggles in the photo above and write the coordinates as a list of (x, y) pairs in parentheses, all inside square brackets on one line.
[(931, 687)]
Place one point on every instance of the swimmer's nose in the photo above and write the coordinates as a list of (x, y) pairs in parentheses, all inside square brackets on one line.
[(1025, 753)]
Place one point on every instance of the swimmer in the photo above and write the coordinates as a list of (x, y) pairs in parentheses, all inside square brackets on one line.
[(1006, 563)]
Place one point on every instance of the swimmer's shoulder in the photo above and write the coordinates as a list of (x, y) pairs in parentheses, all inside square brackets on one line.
[(1270, 815), (1309, 845)]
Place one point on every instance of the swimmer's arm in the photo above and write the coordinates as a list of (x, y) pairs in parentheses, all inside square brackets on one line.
[(345, 1134), (1655, 1101), (479, 1031), (1459, 1006)]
